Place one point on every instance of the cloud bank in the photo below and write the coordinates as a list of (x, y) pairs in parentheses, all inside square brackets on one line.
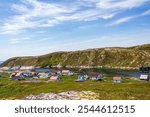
[(33, 14)]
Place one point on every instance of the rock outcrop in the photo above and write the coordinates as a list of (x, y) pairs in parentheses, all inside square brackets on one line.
[(69, 95)]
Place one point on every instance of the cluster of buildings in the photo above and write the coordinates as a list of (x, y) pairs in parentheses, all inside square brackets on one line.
[(30, 73)]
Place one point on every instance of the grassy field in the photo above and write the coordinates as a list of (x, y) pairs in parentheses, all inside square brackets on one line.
[(129, 89)]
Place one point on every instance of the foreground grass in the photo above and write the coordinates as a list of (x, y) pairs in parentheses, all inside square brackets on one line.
[(107, 90)]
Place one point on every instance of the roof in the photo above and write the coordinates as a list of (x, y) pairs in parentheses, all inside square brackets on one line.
[(144, 77), (94, 73), (117, 78), (43, 73), (13, 74), (19, 73), (65, 71), (53, 77)]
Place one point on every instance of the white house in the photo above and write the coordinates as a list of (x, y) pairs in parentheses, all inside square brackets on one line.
[(67, 72), (145, 77)]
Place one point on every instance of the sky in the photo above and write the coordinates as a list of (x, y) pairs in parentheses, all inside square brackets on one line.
[(37, 27)]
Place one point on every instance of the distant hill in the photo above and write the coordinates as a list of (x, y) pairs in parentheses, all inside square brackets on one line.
[(113, 57)]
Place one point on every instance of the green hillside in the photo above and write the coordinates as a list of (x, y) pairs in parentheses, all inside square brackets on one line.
[(113, 57)]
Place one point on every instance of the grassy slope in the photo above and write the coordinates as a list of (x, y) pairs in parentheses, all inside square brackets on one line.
[(129, 89), (120, 57)]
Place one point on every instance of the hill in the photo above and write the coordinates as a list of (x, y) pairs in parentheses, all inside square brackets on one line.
[(113, 57)]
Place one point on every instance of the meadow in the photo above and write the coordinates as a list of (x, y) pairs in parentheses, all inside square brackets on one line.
[(129, 89)]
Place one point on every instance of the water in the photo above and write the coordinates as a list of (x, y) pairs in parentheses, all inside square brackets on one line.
[(42, 70), (134, 74)]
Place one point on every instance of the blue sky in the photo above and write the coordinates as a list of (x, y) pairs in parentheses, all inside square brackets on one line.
[(36, 27)]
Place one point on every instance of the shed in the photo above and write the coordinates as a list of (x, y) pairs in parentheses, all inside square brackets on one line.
[(117, 79), (96, 76), (145, 77), (43, 75), (82, 78), (54, 78), (17, 76), (65, 72)]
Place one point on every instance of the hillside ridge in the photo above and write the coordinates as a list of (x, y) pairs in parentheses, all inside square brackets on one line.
[(110, 56)]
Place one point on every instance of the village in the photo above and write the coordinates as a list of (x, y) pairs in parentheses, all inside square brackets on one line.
[(52, 83), (28, 73), (34, 74)]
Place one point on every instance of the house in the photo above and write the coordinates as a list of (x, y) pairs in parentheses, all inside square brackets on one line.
[(12, 76), (29, 74), (54, 78), (97, 77), (17, 76), (59, 73), (67, 72), (145, 77), (71, 73), (82, 78), (43, 75), (117, 79)]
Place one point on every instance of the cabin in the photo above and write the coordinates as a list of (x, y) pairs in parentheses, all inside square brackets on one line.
[(17, 76), (97, 77), (59, 73), (117, 79), (12, 76), (54, 78), (67, 72), (82, 78), (55, 72), (29, 74), (43, 75), (71, 73), (145, 77)]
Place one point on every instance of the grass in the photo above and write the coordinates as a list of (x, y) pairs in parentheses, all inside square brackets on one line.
[(129, 89)]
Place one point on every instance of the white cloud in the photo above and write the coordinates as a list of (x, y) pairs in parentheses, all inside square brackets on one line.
[(19, 40), (122, 20), (126, 19), (35, 14), (119, 4), (146, 13)]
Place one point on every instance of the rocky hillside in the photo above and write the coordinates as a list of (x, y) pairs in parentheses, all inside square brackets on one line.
[(113, 57)]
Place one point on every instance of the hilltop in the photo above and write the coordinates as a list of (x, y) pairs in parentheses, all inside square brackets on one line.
[(113, 57)]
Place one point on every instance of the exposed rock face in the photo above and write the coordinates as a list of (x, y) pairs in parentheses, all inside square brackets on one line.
[(69, 95)]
